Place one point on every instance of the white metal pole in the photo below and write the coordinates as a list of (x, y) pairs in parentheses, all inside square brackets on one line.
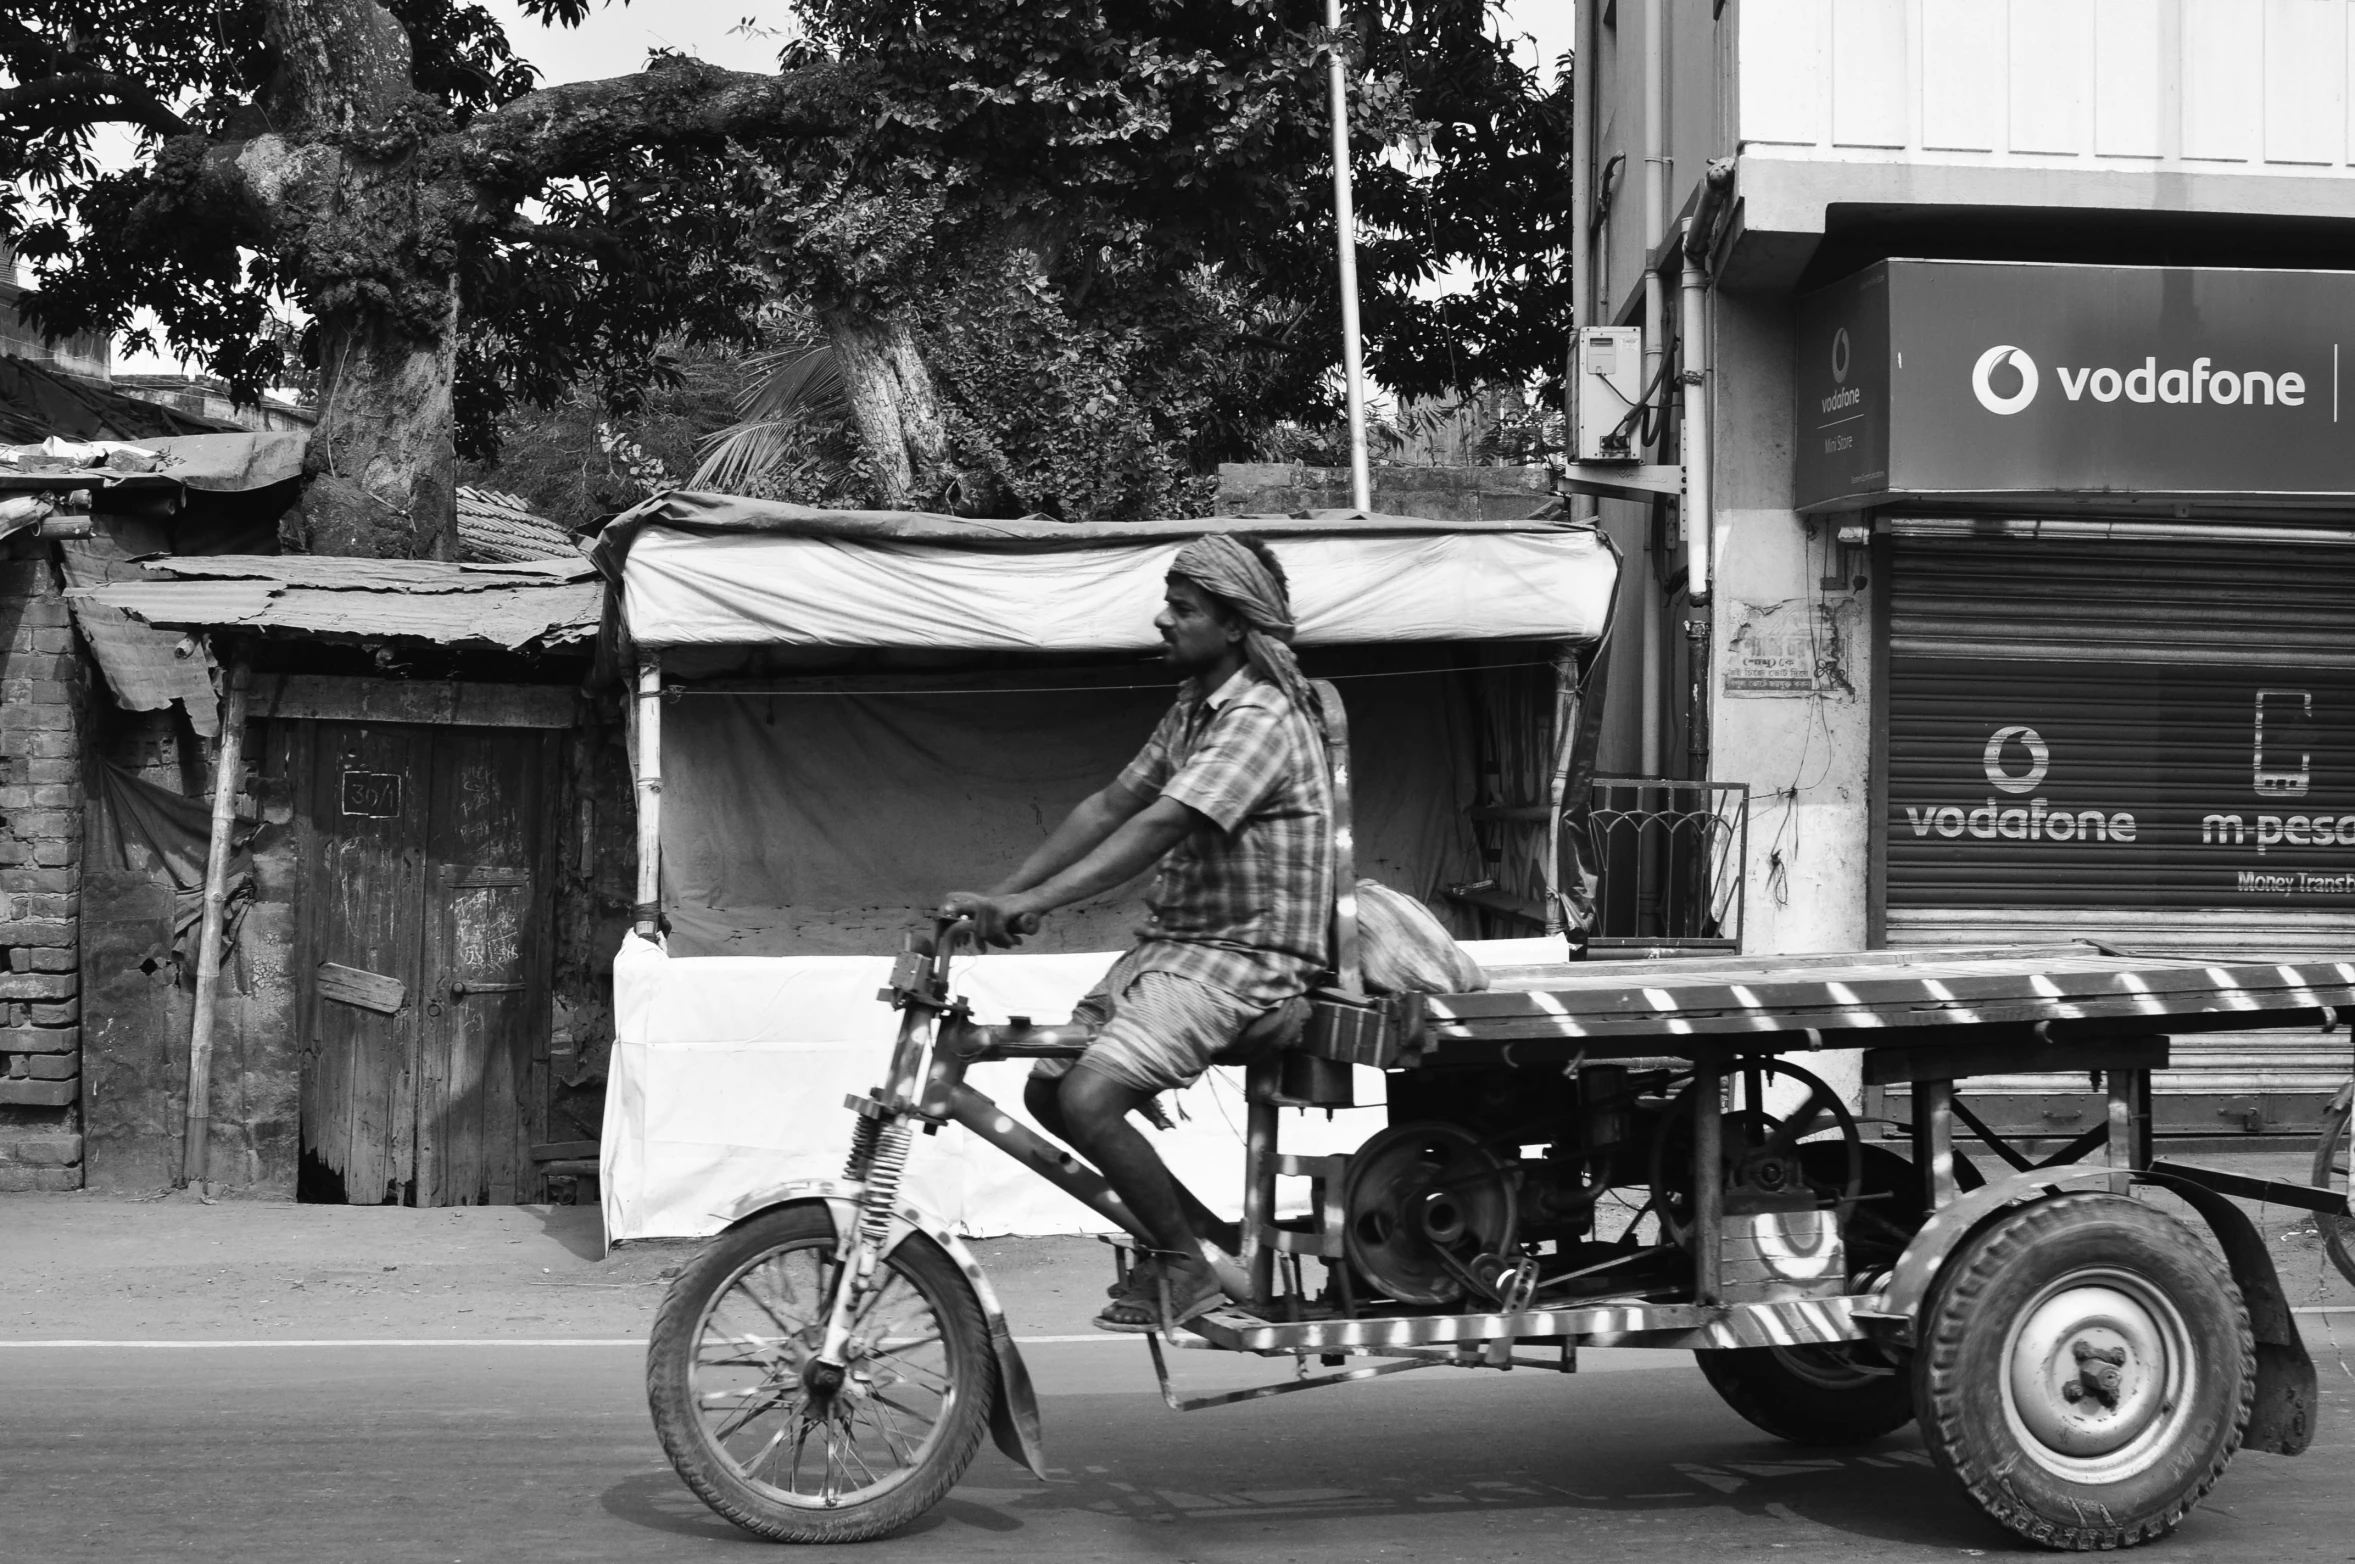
[(1361, 487), (648, 727)]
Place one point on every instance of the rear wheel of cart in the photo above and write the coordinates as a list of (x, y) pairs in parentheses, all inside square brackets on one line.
[(2084, 1369), (779, 1443), (2333, 1151), (1846, 1394)]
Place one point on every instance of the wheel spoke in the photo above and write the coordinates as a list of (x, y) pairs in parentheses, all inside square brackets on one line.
[(940, 1382), (893, 1439), (745, 1415), (1798, 1126), (749, 1291), (897, 1406)]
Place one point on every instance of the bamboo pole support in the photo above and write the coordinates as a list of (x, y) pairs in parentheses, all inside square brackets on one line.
[(647, 731), (228, 770)]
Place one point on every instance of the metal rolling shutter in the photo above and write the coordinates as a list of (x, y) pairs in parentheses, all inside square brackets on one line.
[(2133, 654)]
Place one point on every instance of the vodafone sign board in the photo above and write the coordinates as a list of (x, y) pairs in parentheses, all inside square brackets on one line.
[(1993, 379)]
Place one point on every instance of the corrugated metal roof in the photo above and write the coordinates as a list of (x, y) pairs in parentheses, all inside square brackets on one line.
[(496, 528), (333, 573), (425, 600), (230, 463)]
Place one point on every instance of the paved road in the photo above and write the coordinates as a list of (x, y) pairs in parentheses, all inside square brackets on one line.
[(512, 1454)]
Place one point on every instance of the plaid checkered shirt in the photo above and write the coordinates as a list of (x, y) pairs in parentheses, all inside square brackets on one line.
[(1245, 902)]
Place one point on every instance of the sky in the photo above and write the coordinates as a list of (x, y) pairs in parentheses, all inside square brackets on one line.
[(616, 40)]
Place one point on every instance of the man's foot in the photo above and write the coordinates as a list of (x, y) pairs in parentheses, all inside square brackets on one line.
[(1186, 1287), (1143, 1279)]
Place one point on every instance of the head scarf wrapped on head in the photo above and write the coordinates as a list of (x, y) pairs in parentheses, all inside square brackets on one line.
[(1227, 569)]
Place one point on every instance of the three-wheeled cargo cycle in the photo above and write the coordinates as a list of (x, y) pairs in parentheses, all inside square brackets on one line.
[(1586, 1155)]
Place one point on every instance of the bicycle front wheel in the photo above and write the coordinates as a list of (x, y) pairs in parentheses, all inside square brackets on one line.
[(786, 1447)]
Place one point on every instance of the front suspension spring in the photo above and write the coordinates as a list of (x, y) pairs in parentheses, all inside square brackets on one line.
[(890, 1159), (862, 1150)]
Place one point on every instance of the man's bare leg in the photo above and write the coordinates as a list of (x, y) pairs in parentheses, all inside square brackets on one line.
[(1043, 1096), (1096, 1109)]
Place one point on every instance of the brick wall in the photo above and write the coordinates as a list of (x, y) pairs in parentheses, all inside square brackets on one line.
[(41, 694), (1439, 493)]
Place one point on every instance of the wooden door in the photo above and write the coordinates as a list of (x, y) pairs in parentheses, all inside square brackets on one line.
[(484, 981), (364, 910), (425, 869)]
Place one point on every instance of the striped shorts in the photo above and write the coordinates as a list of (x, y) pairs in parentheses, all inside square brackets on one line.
[(1157, 1031)]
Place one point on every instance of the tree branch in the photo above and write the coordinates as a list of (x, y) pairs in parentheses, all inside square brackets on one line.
[(568, 236), (579, 128), (80, 99)]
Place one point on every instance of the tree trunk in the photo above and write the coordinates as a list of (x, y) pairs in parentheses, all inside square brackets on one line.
[(893, 404), (382, 464)]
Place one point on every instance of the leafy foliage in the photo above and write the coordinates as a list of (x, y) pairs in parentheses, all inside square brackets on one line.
[(575, 458), (1110, 217)]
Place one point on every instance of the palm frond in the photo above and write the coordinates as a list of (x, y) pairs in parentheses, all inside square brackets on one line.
[(800, 378)]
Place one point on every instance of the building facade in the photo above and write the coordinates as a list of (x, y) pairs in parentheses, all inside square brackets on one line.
[(2012, 334)]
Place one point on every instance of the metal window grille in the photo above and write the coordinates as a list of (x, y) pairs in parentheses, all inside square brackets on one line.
[(1667, 858)]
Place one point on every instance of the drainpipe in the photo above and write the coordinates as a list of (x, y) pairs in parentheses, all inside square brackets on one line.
[(228, 770), (1693, 447), (1693, 440), (1655, 349), (1582, 186)]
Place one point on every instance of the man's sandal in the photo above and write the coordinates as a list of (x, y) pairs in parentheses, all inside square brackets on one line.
[(1141, 1312)]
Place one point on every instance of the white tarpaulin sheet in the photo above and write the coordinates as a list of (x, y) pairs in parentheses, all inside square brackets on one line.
[(684, 588), (728, 1077)]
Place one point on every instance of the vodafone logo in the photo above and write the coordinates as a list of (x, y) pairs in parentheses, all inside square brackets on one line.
[(2039, 752), (1983, 380)]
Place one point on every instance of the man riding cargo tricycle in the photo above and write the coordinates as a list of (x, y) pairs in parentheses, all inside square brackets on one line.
[(1577, 1154)]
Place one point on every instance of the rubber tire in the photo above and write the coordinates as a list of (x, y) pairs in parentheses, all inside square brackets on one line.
[(2334, 1147), (1963, 1334), (670, 1392), (1768, 1390)]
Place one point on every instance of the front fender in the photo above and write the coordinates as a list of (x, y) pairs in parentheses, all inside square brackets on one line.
[(1013, 1416)]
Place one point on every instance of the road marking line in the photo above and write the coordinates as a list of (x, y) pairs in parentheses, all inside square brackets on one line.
[(447, 1341), (1092, 1339)]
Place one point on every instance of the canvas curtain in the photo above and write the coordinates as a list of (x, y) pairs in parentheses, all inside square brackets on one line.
[(827, 823)]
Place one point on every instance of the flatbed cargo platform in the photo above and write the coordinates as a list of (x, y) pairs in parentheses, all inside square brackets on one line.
[(1880, 999)]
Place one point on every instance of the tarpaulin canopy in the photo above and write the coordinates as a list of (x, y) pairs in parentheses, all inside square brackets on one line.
[(811, 821), (236, 463), (715, 570)]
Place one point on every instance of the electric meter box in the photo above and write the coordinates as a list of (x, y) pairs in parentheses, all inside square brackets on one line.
[(1606, 380)]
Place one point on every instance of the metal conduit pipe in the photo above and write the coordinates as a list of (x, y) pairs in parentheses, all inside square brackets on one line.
[(1655, 349), (1693, 439)]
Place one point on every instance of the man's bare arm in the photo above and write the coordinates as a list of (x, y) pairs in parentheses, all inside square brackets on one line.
[(1133, 846), (1096, 817)]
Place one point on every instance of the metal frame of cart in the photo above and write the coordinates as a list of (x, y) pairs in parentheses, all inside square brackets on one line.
[(1929, 1018)]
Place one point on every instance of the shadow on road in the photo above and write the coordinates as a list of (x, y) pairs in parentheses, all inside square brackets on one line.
[(580, 1229), (1884, 1493)]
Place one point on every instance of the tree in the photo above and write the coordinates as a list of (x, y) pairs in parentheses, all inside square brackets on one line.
[(460, 242)]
